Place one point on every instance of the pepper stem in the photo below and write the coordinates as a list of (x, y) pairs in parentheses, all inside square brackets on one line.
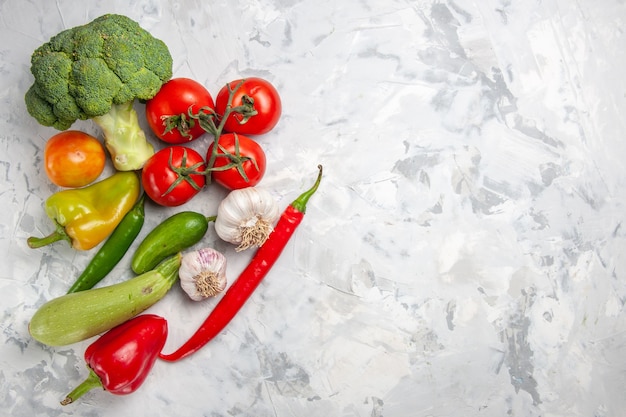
[(300, 202), (92, 381), (58, 234)]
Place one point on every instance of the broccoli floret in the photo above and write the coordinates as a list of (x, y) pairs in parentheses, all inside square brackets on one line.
[(96, 71)]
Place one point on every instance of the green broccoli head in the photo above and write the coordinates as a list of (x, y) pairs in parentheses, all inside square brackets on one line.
[(82, 72)]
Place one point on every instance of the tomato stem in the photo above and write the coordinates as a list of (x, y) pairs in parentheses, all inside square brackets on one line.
[(183, 123), (184, 172), (206, 120), (227, 112), (206, 116), (236, 159)]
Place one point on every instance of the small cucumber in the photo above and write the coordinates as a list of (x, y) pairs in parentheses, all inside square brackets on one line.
[(77, 316), (174, 234)]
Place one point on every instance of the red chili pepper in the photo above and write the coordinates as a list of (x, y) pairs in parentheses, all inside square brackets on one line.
[(120, 360), (241, 289)]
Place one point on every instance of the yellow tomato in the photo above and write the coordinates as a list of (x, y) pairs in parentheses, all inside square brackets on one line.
[(73, 159)]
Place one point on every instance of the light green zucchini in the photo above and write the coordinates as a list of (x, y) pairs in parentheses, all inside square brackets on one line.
[(73, 317)]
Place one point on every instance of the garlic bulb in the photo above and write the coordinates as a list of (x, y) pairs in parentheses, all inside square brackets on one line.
[(246, 217), (202, 273)]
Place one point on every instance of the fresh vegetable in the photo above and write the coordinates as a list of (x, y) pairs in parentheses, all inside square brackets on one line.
[(246, 217), (113, 249), (173, 175), (74, 317), (237, 162), (73, 159), (177, 232), (123, 137), (241, 289), (84, 217), (202, 273), (212, 122), (121, 359), (261, 105), (233, 160), (168, 111), (96, 71)]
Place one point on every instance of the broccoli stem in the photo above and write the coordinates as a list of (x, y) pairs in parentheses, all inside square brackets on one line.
[(124, 138)]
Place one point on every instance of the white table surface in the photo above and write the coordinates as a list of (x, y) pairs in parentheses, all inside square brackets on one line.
[(464, 256)]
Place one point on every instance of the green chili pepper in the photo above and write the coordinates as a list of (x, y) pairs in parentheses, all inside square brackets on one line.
[(113, 250)]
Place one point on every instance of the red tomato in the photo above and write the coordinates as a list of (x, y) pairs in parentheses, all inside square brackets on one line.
[(73, 159), (172, 176), (243, 155), (264, 99), (168, 111)]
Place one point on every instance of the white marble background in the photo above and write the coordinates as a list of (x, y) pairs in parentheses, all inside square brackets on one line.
[(463, 257)]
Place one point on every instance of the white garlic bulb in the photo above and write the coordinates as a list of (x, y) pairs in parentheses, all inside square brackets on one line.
[(202, 273), (246, 217)]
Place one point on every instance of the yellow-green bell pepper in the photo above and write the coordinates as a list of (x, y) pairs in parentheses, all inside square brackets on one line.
[(84, 217)]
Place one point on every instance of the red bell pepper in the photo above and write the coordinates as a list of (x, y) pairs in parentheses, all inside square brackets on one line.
[(120, 360)]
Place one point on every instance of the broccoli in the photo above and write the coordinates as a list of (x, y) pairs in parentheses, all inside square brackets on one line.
[(96, 71)]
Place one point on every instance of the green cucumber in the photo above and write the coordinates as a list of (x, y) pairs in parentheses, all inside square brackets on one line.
[(77, 316), (177, 232)]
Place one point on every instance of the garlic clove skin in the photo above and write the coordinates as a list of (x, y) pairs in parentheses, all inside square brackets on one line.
[(246, 217), (202, 273)]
